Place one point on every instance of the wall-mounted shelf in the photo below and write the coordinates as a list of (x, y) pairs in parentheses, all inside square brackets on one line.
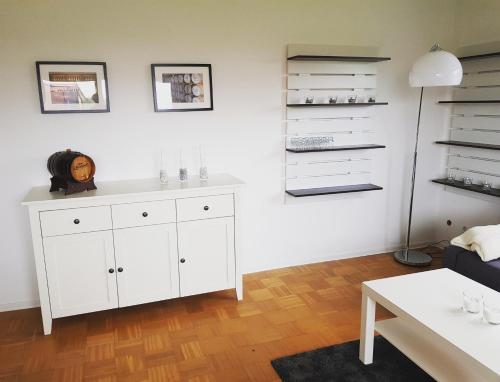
[(473, 187), (479, 56), (333, 190), (475, 115), (470, 144), (336, 104), (339, 148), (319, 74), (475, 101), (306, 57)]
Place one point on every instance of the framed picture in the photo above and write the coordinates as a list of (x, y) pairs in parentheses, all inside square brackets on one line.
[(182, 87), (72, 87)]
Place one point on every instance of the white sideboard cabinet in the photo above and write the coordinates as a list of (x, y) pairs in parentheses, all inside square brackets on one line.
[(133, 242)]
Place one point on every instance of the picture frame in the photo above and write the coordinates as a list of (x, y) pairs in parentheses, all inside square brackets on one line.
[(72, 87), (182, 87)]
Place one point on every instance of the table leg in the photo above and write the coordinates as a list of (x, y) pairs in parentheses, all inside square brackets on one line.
[(367, 329)]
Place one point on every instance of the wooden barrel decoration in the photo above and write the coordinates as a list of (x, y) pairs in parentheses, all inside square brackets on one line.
[(71, 171)]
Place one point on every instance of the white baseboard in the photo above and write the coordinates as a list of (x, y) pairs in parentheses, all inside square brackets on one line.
[(333, 256), (19, 305)]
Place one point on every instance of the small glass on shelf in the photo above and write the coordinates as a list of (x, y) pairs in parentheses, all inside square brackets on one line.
[(468, 181), (311, 143), (451, 177), (486, 186)]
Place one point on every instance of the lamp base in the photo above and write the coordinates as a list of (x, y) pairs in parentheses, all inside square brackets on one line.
[(412, 257)]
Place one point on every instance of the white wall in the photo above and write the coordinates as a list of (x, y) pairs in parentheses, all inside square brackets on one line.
[(477, 31), (477, 22), (245, 41)]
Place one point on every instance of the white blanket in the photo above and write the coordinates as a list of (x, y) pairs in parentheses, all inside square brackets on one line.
[(485, 240)]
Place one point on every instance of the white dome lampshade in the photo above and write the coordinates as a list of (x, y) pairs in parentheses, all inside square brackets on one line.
[(436, 68)]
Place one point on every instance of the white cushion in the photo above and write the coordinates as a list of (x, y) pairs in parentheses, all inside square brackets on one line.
[(485, 240)]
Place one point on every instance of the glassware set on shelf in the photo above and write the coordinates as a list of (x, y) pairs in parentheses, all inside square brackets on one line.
[(311, 143), (473, 302), (468, 181), (336, 99), (183, 170)]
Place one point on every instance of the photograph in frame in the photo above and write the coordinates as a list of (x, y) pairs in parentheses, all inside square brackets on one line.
[(72, 87), (182, 87)]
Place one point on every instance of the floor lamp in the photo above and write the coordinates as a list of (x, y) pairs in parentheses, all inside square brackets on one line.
[(435, 68)]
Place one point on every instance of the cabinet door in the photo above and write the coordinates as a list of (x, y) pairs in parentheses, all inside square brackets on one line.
[(146, 261), (206, 253), (80, 273)]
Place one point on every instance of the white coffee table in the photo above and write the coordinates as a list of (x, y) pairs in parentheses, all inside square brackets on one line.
[(430, 328)]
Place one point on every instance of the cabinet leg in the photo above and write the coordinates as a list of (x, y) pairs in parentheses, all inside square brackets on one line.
[(239, 288)]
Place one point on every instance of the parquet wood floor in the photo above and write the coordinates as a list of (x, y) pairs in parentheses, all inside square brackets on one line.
[(210, 337)]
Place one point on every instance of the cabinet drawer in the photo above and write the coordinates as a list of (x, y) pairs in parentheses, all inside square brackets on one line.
[(141, 214), (205, 207), (75, 220)]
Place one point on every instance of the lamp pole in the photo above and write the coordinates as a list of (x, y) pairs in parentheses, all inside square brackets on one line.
[(414, 169), (406, 255)]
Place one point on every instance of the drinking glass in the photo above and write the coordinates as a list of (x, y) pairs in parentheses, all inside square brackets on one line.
[(451, 177), (203, 165), (491, 310), (467, 181), (324, 142), (486, 186), (183, 172), (163, 168), (471, 302), (298, 143), (317, 143), (305, 143), (311, 143), (302, 143)]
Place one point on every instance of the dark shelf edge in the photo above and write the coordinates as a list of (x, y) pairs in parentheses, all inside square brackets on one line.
[(333, 190), (472, 188), (479, 56), (339, 148), (335, 104), (478, 101), (307, 57), (470, 144)]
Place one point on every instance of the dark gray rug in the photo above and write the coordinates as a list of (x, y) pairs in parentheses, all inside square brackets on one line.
[(340, 363)]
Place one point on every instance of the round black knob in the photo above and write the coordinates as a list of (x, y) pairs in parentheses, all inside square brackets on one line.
[(183, 261), (76, 221), (206, 208), (111, 270), (120, 269), (145, 214)]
